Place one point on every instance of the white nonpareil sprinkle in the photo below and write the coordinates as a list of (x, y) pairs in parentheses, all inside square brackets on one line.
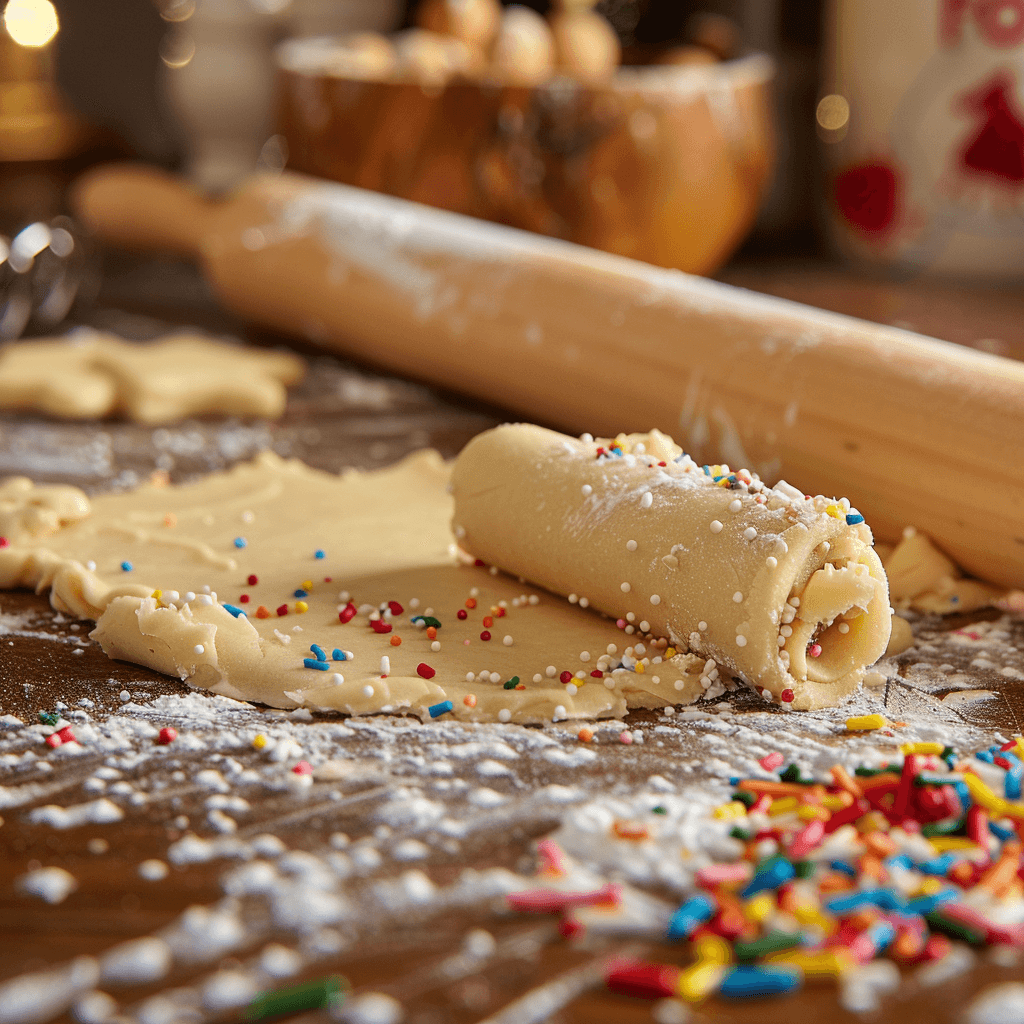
[(573, 598), (631, 545), (647, 500), (534, 599), (645, 625), (559, 713), (749, 533), (367, 690), (716, 526), (504, 715), (551, 671), (199, 649), (587, 490), (655, 599), (385, 665), (584, 602), (435, 645), (844, 627), (507, 641), (738, 596), (702, 625), (625, 588), (735, 505), (741, 640), (53, 885), (125, 696), (771, 561), (153, 870), (572, 689), (584, 655)]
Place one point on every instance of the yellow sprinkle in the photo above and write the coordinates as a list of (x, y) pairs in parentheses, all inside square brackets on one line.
[(712, 949), (259, 741), (806, 913), (811, 812), (670, 652), (783, 805), (922, 748), (735, 809), (757, 908), (946, 843), (981, 794), (1011, 810), (929, 887), (301, 606), (699, 981), (640, 670), (834, 802), (825, 963), (865, 723), (834, 511), (158, 594), (307, 584)]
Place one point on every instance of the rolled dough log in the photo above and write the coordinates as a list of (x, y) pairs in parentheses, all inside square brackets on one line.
[(783, 590)]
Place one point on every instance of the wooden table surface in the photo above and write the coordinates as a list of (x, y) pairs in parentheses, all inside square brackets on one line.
[(348, 415)]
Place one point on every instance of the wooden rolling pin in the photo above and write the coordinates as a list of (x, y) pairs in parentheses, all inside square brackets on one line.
[(912, 430)]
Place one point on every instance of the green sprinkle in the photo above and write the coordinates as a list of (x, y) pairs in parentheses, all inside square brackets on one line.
[(312, 995), (658, 810), (512, 683), (741, 834), (804, 868), (938, 922), (49, 717), (427, 620), (944, 827), (747, 799), (774, 942), (792, 774)]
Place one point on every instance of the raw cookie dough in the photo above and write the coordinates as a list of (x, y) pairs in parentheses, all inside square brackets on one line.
[(90, 375), (779, 589), (275, 543)]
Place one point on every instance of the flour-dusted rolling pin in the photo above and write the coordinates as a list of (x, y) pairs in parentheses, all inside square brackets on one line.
[(912, 430)]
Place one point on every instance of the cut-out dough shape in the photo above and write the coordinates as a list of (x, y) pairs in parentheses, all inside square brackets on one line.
[(91, 375)]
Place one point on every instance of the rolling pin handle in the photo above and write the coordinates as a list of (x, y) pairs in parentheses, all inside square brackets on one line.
[(133, 206)]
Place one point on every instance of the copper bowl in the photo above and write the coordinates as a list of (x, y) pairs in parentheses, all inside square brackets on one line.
[(662, 164)]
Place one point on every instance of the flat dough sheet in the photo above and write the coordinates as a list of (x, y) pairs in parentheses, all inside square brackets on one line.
[(131, 561)]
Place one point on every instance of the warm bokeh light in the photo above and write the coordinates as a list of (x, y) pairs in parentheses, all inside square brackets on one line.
[(833, 112), (31, 22)]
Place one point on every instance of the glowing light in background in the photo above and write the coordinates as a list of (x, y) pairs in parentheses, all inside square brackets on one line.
[(833, 112), (31, 22), (177, 48)]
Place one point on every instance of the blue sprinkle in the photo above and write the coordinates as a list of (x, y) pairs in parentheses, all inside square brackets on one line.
[(747, 981), (319, 553), (928, 904), (1001, 832), (938, 865), (300, 593), (853, 518), (234, 611), (323, 666), (985, 755), (437, 710), (845, 867), (127, 566), (690, 915), (241, 542), (847, 904), (339, 655), (881, 933), (899, 861), (1012, 785), (318, 651), (770, 874)]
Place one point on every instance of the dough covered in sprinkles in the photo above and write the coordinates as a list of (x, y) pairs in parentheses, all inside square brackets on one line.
[(779, 589)]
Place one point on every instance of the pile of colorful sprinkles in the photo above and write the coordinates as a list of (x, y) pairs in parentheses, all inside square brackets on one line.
[(888, 862)]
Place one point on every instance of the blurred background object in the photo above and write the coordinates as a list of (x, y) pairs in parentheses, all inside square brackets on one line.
[(922, 119)]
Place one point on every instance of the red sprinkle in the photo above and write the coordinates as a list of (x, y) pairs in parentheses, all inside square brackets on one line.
[(53, 740), (485, 635), (501, 613), (565, 677), (424, 670), (282, 610), (479, 563), (787, 696), (396, 608), (303, 768), (462, 614), (347, 614), (380, 626), (167, 735), (253, 580), (4, 542), (642, 980), (770, 762), (814, 650), (597, 673), (66, 735), (244, 599)]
